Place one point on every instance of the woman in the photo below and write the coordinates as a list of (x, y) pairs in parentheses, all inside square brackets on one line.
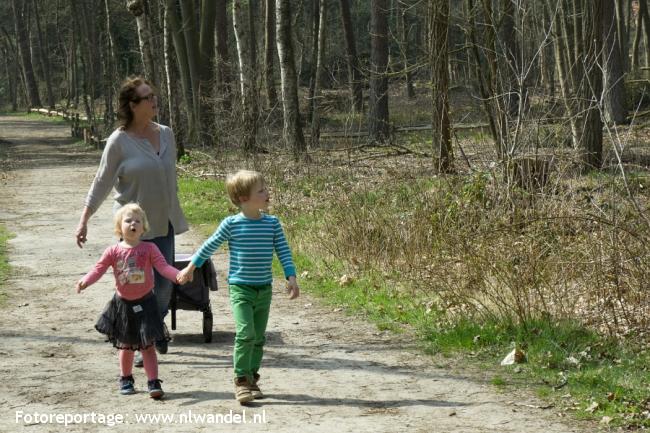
[(139, 161)]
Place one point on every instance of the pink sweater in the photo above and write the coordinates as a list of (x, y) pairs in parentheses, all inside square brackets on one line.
[(133, 269)]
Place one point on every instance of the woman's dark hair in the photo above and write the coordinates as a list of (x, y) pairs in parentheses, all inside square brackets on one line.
[(127, 95)]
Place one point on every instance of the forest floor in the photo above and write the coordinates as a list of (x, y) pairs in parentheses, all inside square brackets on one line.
[(323, 371)]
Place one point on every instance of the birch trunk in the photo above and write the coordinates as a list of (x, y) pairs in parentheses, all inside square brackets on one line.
[(138, 10), (246, 51), (314, 57), (318, 74), (269, 55)]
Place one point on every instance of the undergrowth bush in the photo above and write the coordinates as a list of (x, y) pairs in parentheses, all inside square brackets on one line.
[(481, 250)]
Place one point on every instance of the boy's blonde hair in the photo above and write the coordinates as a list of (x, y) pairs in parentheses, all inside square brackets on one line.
[(134, 208), (241, 184)]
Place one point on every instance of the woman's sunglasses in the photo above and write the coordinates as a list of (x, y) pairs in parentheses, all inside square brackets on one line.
[(150, 97)]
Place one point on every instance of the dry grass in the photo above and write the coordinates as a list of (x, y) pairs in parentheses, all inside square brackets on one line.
[(470, 243)]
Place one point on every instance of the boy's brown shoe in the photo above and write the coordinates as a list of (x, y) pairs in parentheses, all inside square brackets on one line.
[(255, 389), (242, 390)]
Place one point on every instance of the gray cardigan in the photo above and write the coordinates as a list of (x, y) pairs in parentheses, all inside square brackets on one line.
[(141, 176)]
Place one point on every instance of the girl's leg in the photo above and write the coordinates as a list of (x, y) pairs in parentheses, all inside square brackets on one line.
[(150, 362), (261, 311), (242, 299), (126, 362)]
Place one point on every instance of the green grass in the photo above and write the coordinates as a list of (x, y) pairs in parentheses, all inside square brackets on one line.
[(615, 375), (204, 202), (4, 263), (34, 116)]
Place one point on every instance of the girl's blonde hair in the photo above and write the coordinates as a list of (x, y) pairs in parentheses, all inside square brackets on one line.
[(241, 184), (134, 208)]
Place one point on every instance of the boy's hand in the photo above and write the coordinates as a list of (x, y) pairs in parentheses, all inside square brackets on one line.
[(81, 285), (292, 288), (187, 274)]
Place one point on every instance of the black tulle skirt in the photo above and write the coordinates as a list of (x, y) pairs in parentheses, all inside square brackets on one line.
[(132, 325)]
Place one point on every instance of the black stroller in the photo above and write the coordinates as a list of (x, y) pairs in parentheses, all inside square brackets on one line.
[(194, 295)]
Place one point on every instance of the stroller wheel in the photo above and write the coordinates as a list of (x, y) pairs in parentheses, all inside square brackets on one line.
[(207, 326)]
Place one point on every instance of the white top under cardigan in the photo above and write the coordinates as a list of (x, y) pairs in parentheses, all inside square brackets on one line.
[(139, 175)]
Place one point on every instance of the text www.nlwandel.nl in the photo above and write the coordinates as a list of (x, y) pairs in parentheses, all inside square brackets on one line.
[(113, 419)]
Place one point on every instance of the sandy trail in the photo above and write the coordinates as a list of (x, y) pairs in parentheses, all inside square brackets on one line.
[(323, 371)]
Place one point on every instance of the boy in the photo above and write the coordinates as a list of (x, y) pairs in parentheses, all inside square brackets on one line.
[(252, 236)]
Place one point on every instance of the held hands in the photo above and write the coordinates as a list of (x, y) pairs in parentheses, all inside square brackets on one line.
[(186, 275), (292, 288), (81, 285)]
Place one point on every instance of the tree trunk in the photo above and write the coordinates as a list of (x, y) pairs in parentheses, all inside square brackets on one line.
[(180, 47), (509, 41), (172, 83), (482, 76), (269, 55), (621, 31), (224, 73), (138, 9), (12, 70), (207, 70), (645, 16), (403, 35), (637, 37), (547, 57), (314, 58), (191, 37), (73, 91), (614, 83), (592, 136), (564, 70), (110, 73), (90, 45), (44, 56), (89, 65), (318, 74), (292, 126), (378, 127), (356, 86), (439, 61), (22, 42), (246, 51)]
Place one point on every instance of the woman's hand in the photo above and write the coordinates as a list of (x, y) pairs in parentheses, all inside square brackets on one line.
[(80, 233), (82, 228)]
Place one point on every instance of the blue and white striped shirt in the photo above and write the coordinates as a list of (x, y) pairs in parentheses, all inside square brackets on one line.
[(251, 243)]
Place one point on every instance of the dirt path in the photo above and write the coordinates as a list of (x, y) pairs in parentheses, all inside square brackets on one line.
[(323, 371)]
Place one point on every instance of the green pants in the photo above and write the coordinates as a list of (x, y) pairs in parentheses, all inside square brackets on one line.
[(250, 309)]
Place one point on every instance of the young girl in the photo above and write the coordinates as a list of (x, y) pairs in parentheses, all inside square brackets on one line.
[(131, 319)]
